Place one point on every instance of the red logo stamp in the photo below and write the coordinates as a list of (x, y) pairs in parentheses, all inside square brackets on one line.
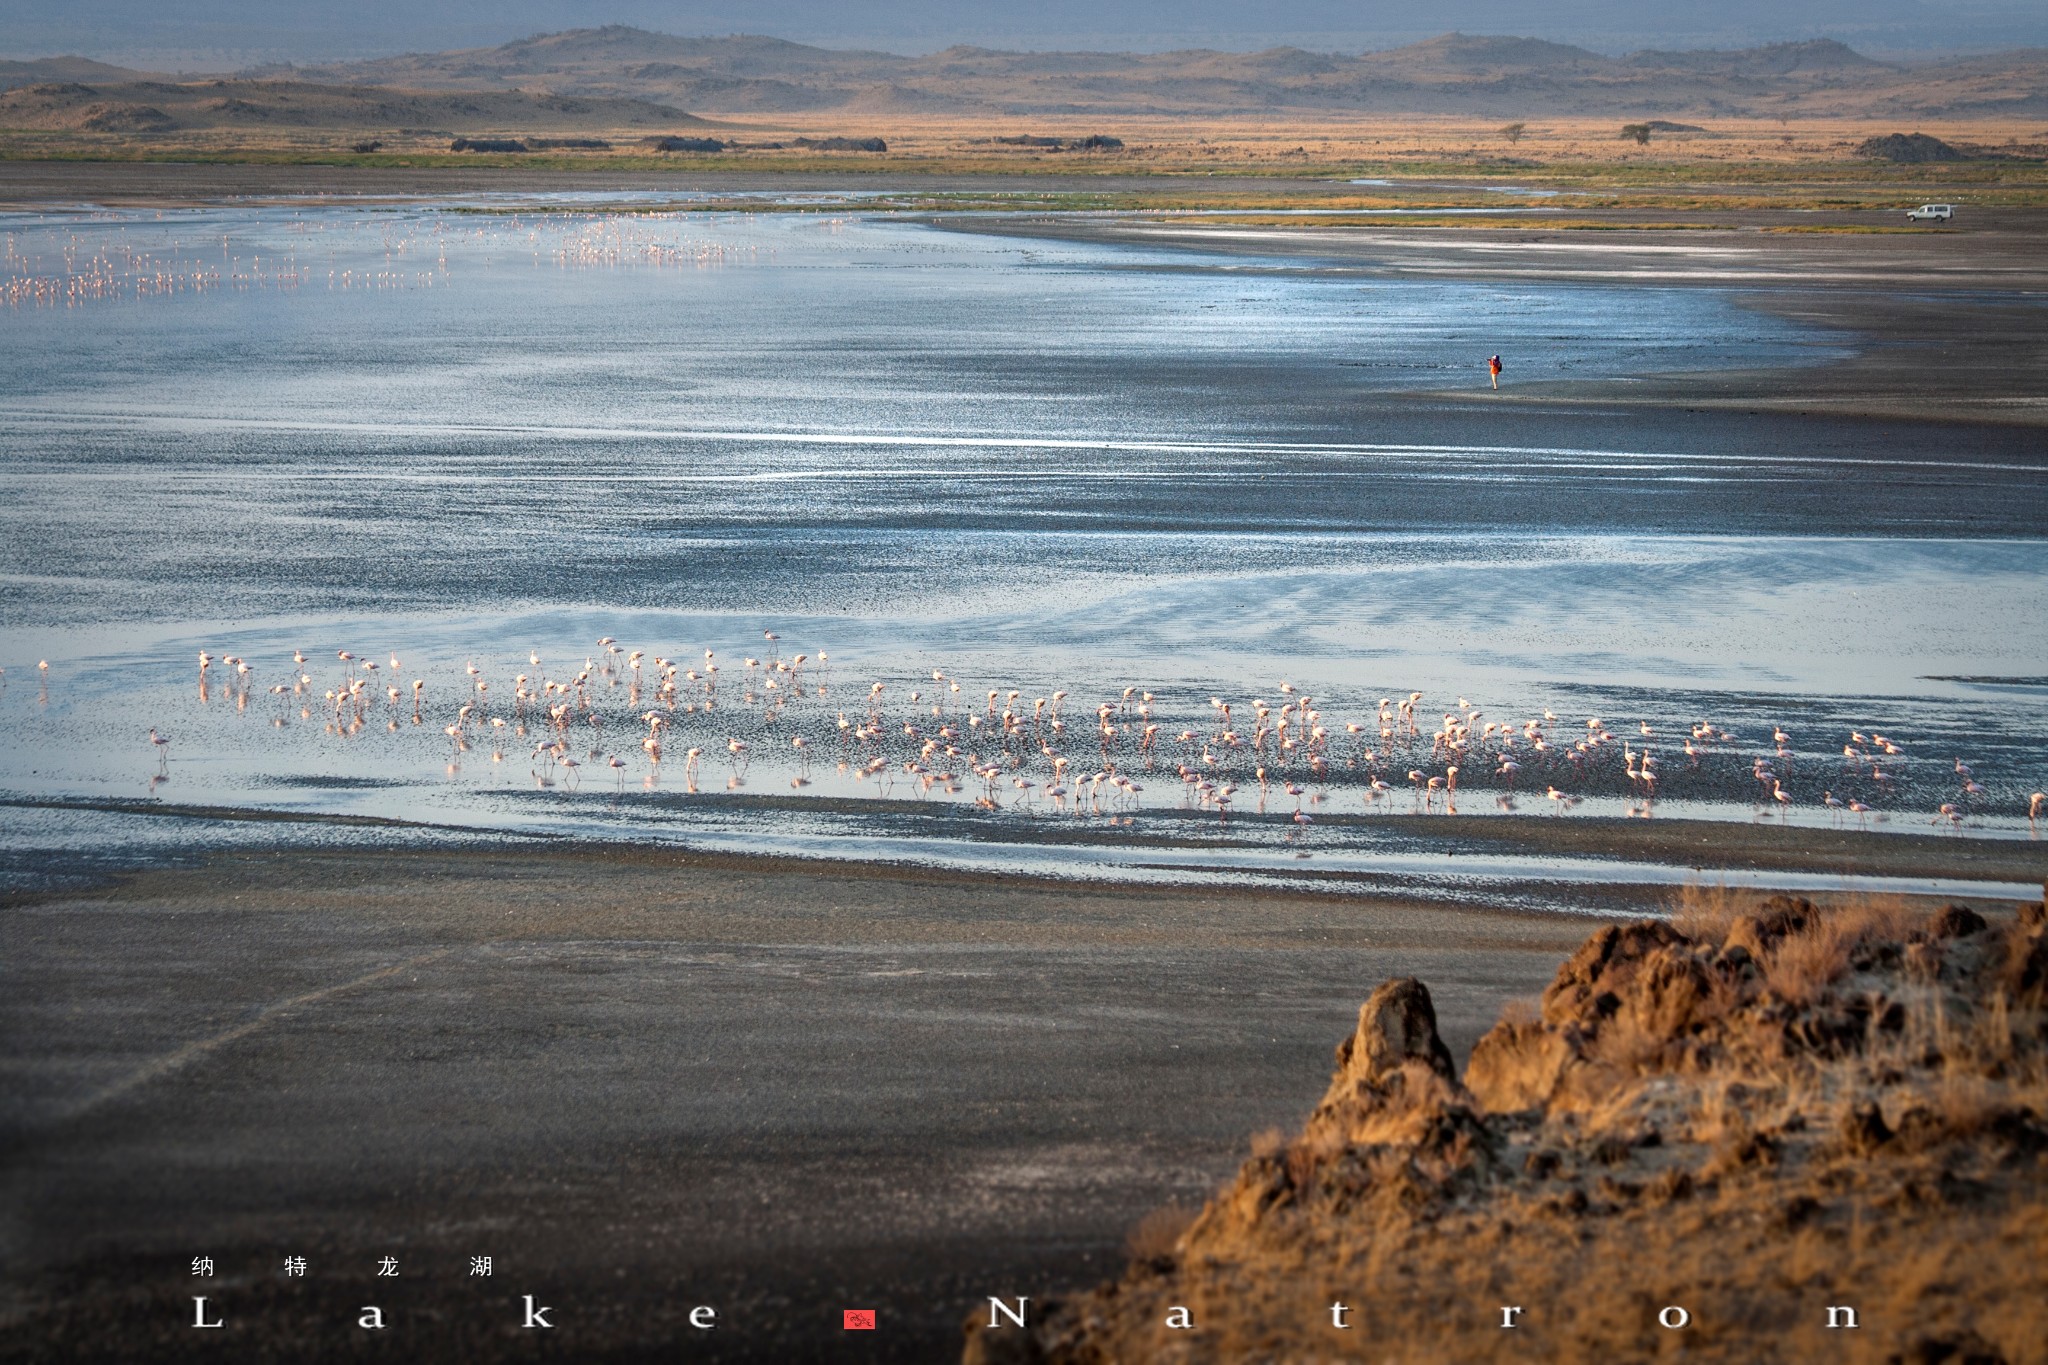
[(860, 1319)]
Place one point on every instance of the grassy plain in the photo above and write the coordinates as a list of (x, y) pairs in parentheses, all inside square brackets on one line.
[(1168, 164)]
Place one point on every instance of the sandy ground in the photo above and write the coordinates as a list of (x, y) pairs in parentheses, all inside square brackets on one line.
[(644, 1081)]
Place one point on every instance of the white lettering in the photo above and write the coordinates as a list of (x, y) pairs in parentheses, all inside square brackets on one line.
[(536, 1317), (1508, 1316), (1337, 1312), (1682, 1317), (702, 1318), (199, 1315), (1841, 1317), (996, 1305), (1178, 1317), (372, 1318)]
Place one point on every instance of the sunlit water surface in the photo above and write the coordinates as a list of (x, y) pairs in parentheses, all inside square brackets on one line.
[(951, 464)]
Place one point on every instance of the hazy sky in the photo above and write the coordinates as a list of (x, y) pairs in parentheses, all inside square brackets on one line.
[(219, 34)]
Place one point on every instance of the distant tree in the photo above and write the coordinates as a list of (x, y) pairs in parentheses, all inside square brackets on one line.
[(1639, 131), (1513, 132)]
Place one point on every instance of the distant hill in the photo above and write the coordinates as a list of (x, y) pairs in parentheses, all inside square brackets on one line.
[(1452, 74), (58, 70), (623, 78), (223, 35), (161, 106)]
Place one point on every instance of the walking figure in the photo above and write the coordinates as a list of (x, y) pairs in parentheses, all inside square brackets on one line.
[(1493, 368)]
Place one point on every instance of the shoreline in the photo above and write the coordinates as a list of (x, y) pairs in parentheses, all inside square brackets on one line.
[(1707, 847), (1946, 328)]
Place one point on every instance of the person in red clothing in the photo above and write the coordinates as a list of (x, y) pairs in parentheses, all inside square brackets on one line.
[(1493, 368)]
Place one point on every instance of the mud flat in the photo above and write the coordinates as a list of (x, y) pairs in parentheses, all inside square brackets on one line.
[(645, 1080)]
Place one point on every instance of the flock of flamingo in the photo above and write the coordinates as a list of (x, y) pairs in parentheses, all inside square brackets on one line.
[(942, 736), (88, 268)]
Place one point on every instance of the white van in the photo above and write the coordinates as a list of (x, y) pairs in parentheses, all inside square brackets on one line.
[(1932, 213)]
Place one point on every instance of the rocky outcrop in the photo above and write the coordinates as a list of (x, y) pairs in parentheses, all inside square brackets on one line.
[(842, 144), (1907, 148), (112, 116), (1758, 1114)]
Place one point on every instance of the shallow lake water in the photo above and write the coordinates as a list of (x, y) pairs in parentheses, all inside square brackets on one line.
[(949, 464)]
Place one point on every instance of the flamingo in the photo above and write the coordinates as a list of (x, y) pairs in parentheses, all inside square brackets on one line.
[(163, 751)]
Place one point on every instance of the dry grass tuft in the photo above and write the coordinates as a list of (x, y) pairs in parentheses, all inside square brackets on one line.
[(1157, 1235), (1706, 913)]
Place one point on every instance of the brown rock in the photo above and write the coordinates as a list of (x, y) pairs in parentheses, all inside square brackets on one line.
[(1397, 1024), (1517, 1066), (1668, 988), (1956, 921), (2026, 971), (1602, 968), (1771, 923)]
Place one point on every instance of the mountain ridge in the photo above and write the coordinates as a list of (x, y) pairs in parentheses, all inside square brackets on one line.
[(1452, 74)]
